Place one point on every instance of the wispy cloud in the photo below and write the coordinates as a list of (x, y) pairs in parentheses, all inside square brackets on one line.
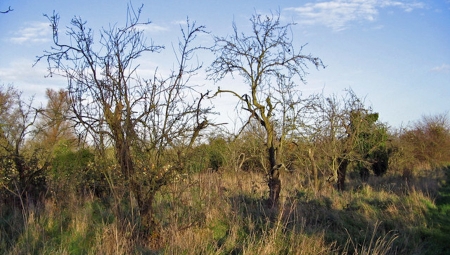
[(34, 32), (338, 14), (444, 68), (407, 7), (181, 22), (152, 27), (31, 80)]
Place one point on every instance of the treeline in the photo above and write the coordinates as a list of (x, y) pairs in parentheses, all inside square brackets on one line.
[(121, 138)]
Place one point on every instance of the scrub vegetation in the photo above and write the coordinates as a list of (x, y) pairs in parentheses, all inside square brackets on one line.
[(121, 164)]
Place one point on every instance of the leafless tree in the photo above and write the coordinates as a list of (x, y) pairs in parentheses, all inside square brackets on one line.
[(264, 58), (113, 104)]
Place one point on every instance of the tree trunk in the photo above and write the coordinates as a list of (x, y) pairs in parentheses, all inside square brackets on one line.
[(20, 167), (314, 170), (342, 170), (123, 154), (145, 210), (274, 178), (149, 230), (364, 173)]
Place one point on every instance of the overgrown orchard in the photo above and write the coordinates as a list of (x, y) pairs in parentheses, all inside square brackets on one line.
[(118, 164)]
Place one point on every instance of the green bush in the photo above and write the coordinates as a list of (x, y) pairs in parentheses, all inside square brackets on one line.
[(74, 171)]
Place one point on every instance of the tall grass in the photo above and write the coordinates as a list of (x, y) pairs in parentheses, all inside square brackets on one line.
[(376, 245), (225, 213)]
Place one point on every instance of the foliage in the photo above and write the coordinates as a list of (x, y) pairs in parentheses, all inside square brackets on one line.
[(211, 155), (72, 171), (114, 165), (371, 140), (339, 134), (21, 171), (427, 142), (213, 213), (437, 233)]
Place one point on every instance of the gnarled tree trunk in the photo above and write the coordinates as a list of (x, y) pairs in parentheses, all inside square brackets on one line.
[(274, 181), (342, 170), (274, 178)]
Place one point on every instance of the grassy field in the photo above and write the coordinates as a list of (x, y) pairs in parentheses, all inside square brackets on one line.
[(224, 212)]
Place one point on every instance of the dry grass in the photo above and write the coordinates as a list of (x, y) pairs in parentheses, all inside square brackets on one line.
[(225, 213), (375, 246)]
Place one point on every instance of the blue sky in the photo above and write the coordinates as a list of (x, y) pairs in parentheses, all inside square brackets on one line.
[(393, 53)]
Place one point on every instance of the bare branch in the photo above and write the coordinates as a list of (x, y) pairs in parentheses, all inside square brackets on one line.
[(262, 59), (9, 10)]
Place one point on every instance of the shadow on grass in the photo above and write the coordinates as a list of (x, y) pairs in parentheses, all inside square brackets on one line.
[(436, 235), (11, 226), (348, 230)]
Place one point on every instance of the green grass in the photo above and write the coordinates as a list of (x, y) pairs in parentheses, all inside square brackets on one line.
[(436, 234), (223, 213)]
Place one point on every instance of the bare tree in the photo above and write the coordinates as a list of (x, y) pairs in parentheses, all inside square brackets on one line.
[(264, 58), (113, 104)]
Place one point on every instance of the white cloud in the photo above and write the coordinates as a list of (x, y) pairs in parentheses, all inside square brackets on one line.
[(181, 22), (444, 68), (337, 14), (31, 80), (151, 28), (34, 32), (408, 7)]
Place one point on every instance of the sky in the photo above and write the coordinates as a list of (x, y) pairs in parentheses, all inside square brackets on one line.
[(393, 53)]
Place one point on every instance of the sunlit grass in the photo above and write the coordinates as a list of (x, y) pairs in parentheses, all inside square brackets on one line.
[(225, 213)]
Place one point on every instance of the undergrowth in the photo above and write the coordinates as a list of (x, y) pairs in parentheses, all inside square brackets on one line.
[(226, 213)]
